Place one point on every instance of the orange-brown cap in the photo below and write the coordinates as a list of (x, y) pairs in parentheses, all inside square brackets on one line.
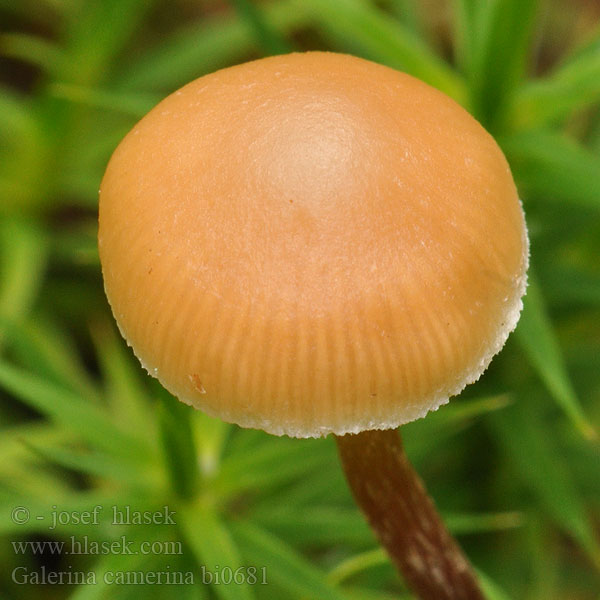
[(312, 243)]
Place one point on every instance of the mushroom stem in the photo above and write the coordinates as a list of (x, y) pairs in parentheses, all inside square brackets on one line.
[(404, 518)]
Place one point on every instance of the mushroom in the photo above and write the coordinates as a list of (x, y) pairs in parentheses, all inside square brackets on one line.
[(315, 244)]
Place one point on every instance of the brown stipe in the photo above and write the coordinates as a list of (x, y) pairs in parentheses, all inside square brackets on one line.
[(404, 518)]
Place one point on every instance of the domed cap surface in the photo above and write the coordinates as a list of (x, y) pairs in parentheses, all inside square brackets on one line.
[(312, 243)]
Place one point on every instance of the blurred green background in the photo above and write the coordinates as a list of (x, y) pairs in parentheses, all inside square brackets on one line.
[(513, 463)]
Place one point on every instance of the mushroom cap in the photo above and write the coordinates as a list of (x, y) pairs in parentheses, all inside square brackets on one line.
[(312, 243)]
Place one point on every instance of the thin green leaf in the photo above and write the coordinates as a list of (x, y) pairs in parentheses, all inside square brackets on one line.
[(20, 468), (483, 523), (495, 38), (356, 564), (447, 421), (203, 48), (490, 588), (43, 346), (214, 549), (30, 48), (318, 526), (72, 411), (592, 135), (589, 46), (267, 36), (131, 104), (77, 246), (411, 15), (179, 446), (290, 572), (550, 166), (95, 33), (582, 457), (37, 11), (211, 435), (362, 593), (463, 411), (538, 340), (23, 255), (43, 432), (278, 461), (23, 155), (465, 32), (324, 525), (546, 101), (326, 482), (359, 24), (545, 568), (534, 458), (90, 463), (40, 508), (574, 85), (572, 284), (112, 566), (126, 395), (83, 184)]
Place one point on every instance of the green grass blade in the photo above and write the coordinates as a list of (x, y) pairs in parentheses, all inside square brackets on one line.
[(42, 346), (465, 33), (372, 558), (214, 549), (447, 421), (211, 434), (590, 46), (30, 48), (23, 256), (568, 285), (267, 36), (22, 469), (490, 588), (326, 481), (318, 527), (278, 461), (545, 568), (291, 573), (128, 103), (71, 411), (356, 564), (462, 524), (539, 342), (411, 14), (68, 500), (571, 87), (40, 12), (105, 571), (496, 35), (24, 155), (550, 166), (357, 25), (121, 376), (96, 32), (179, 447), (531, 453), (203, 48), (558, 96), (78, 247), (90, 463), (355, 592)]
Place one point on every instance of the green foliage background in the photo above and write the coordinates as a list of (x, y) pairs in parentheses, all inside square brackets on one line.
[(514, 463)]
